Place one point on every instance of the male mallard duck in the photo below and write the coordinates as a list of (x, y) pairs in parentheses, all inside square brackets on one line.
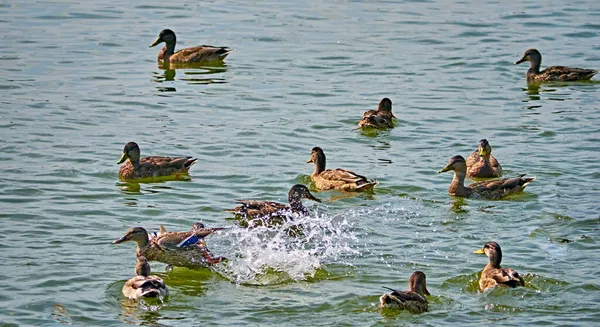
[(482, 163), (554, 73), (203, 53), (380, 118), (183, 249), (265, 209), (492, 189), (339, 179), (493, 274), (143, 284), (413, 300), (150, 167)]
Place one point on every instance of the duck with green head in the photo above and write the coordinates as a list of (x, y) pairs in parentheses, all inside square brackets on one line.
[(414, 300), (144, 284), (150, 167), (380, 118), (493, 274), (338, 179), (553, 73), (491, 189), (482, 164), (199, 54)]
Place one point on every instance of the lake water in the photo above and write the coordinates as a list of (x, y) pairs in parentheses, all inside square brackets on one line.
[(79, 81)]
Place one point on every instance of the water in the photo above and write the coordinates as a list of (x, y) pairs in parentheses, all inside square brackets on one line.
[(80, 82)]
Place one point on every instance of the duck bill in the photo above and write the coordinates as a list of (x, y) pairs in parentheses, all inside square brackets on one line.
[(480, 251), (309, 160), (524, 59), (445, 169), (311, 197), (426, 291), (159, 40), (121, 240), (123, 158), (482, 152)]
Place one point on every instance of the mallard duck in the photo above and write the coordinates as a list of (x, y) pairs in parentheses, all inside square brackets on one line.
[(493, 274), (183, 249), (266, 210), (143, 284), (339, 179), (482, 163), (203, 53), (554, 73), (380, 118), (151, 167), (491, 189), (413, 300)]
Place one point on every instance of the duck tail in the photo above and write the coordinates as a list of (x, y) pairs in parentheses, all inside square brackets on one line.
[(367, 184), (526, 181), (189, 163)]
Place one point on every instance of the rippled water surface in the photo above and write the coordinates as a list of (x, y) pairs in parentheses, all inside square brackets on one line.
[(79, 81)]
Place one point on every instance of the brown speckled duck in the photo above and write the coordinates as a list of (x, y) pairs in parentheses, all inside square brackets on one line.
[(380, 118), (203, 53), (554, 73), (491, 189), (182, 249), (493, 274), (264, 211), (339, 179), (482, 164), (413, 300), (151, 167), (143, 284)]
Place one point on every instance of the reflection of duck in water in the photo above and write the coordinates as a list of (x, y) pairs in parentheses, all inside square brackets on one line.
[(413, 300), (380, 118), (143, 284), (203, 53), (257, 213), (493, 274), (553, 73), (482, 163), (182, 249), (149, 167)]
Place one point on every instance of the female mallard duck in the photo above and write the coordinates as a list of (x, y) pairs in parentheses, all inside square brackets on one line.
[(183, 249), (203, 53), (265, 209), (413, 300), (143, 284), (493, 274), (339, 179), (482, 163), (151, 167), (380, 118), (554, 73), (492, 189)]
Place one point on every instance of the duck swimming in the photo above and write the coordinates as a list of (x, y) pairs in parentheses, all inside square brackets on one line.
[(491, 189), (143, 284), (482, 164), (338, 179), (380, 118), (553, 73), (203, 53), (493, 274), (151, 167), (413, 300)]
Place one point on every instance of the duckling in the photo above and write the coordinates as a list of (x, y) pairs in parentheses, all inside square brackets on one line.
[(339, 179), (143, 284), (554, 73), (482, 163), (252, 209), (203, 53), (493, 274), (380, 118), (151, 167), (183, 249), (491, 189), (413, 300)]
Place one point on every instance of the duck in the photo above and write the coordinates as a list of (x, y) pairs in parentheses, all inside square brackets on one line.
[(203, 53), (413, 300), (338, 179), (144, 284), (135, 168), (269, 211), (553, 73), (482, 164), (490, 189), (493, 274), (380, 118), (181, 249)]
